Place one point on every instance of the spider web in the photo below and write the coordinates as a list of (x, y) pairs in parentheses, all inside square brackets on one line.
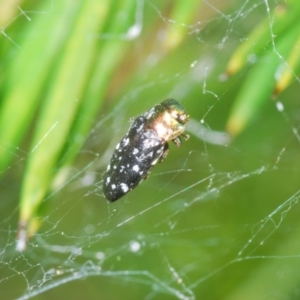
[(215, 220)]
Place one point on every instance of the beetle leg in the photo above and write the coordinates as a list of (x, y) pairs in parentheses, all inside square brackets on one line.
[(165, 152), (185, 136), (177, 141)]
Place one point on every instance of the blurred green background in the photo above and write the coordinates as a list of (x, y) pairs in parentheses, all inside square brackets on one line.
[(215, 220)]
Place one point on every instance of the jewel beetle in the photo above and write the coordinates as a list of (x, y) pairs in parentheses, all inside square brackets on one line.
[(145, 144)]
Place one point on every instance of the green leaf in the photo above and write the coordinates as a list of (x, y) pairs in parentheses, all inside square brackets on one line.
[(261, 36), (183, 12), (290, 69), (27, 74), (108, 55), (260, 83), (58, 111)]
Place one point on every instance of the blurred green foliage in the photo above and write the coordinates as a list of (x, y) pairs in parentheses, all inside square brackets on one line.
[(77, 60), (68, 64), (59, 76), (273, 47)]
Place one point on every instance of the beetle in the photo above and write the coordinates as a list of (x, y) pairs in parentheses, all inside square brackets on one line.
[(145, 144)]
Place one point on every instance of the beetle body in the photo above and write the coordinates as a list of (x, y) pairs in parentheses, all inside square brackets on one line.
[(145, 143)]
